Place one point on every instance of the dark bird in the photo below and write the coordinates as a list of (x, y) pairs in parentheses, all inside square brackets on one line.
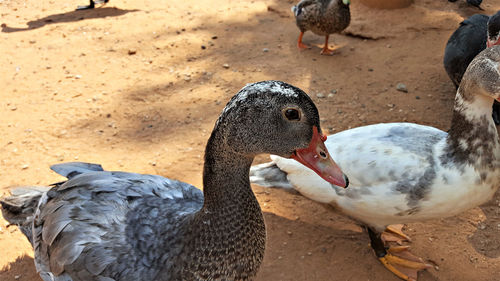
[(475, 3), (92, 4), (322, 17), (403, 172), (101, 225), (472, 36)]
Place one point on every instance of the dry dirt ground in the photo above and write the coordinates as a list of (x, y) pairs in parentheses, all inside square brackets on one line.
[(137, 85)]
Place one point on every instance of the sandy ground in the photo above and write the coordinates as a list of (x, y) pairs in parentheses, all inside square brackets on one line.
[(137, 85)]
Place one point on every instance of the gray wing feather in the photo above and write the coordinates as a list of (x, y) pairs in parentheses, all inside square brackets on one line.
[(100, 224), (72, 169)]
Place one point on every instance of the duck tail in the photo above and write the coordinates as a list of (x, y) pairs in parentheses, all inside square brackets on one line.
[(270, 175), (19, 208)]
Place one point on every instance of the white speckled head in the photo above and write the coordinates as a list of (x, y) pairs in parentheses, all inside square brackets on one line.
[(277, 118), (483, 74), (253, 120), (480, 84)]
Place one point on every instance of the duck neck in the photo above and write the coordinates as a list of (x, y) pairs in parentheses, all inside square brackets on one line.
[(226, 178), (228, 232), (473, 137)]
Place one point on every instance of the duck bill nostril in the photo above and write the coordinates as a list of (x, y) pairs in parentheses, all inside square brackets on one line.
[(323, 154), (316, 158)]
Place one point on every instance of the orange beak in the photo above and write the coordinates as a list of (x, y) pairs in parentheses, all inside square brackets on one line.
[(316, 158)]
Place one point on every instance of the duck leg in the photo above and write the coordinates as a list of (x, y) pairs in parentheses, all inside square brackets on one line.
[(394, 233), (90, 6), (301, 45), (326, 50), (398, 260)]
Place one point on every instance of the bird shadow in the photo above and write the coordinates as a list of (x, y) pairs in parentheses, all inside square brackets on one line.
[(23, 268), (485, 239), (69, 17)]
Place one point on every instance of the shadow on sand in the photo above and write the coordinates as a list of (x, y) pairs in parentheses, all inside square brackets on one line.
[(23, 268), (68, 17)]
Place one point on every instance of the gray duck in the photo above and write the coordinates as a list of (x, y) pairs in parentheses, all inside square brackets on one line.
[(322, 17), (103, 225)]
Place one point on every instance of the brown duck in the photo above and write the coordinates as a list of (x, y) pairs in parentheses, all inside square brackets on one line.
[(322, 17)]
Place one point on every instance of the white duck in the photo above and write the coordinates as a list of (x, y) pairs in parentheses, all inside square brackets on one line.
[(401, 172), (101, 225)]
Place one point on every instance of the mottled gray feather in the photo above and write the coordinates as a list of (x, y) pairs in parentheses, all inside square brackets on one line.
[(72, 169)]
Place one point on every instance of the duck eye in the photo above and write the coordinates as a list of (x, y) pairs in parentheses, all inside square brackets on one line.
[(292, 114)]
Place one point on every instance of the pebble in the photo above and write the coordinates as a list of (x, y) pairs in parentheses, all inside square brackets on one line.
[(333, 91), (225, 65), (203, 47), (214, 37), (78, 76), (417, 97), (132, 52), (17, 277), (401, 87), (320, 95), (330, 95), (265, 50), (370, 69), (25, 166), (289, 232)]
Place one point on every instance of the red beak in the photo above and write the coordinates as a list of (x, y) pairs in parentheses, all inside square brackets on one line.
[(491, 43), (316, 158)]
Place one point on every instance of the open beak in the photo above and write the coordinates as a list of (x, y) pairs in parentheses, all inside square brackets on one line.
[(316, 158)]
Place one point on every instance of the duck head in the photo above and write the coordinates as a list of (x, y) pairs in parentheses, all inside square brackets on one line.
[(482, 76), (277, 118), (493, 30)]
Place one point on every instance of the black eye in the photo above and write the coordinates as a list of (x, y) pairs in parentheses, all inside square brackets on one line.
[(292, 114)]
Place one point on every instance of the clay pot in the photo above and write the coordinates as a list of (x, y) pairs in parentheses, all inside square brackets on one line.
[(387, 4)]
